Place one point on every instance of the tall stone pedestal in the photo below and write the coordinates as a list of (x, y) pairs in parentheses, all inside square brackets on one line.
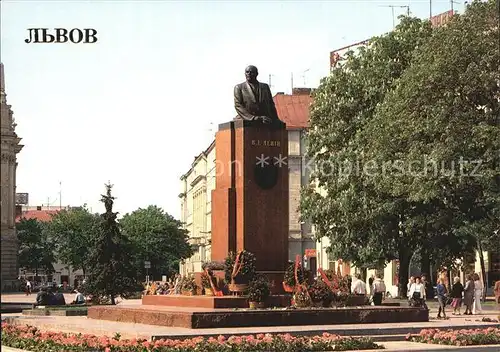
[(250, 199)]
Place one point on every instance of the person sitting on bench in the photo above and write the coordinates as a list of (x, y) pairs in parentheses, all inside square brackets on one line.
[(79, 298)]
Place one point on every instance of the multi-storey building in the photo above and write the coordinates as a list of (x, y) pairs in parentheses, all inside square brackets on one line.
[(197, 185)]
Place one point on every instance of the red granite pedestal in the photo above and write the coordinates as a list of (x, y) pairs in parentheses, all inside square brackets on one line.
[(199, 318), (250, 199), (211, 302)]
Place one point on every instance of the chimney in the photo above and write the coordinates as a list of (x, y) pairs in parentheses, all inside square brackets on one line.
[(301, 91)]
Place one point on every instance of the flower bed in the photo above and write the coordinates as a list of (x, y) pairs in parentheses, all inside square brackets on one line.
[(31, 339), (488, 336)]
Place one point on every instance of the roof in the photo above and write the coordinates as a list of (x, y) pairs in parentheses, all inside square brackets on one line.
[(40, 215), (293, 109)]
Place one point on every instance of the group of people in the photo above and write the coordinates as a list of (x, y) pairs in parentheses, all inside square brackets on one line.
[(470, 295), (377, 288), (419, 289), (50, 296)]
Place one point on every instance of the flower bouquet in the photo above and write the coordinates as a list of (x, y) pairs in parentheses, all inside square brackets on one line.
[(239, 270)]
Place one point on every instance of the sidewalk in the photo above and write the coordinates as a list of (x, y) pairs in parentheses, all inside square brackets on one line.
[(131, 330)]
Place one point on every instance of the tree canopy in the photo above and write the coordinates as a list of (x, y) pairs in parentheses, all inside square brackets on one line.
[(35, 249), (111, 271), (157, 237), (441, 123), (73, 232), (362, 222), (410, 94)]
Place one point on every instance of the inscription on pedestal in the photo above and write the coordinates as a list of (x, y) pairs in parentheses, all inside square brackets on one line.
[(264, 143)]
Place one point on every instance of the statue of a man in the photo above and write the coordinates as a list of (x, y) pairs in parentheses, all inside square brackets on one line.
[(253, 100)]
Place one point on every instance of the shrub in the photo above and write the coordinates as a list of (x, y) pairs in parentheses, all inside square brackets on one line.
[(320, 292), (30, 338), (188, 284), (289, 278), (247, 271), (488, 336), (205, 280), (259, 289)]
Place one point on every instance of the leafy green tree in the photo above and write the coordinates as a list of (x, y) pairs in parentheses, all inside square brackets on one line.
[(111, 272), (36, 251), (73, 232), (363, 223), (443, 120), (157, 237)]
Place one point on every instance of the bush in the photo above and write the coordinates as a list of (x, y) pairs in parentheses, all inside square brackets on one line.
[(30, 338), (189, 284), (259, 289), (247, 271), (488, 336), (320, 292), (205, 280), (289, 278)]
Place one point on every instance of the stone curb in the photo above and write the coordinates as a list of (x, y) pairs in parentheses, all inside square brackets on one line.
[(10, 349), (371, 332)]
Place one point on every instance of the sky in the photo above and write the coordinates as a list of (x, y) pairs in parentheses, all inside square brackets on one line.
[(136, 107)]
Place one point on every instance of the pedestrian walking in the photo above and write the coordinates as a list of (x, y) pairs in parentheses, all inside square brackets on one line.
[(496, 290), (417, 293), (469, 295), (378, 290), (478, 294), (441, 296), (358, 286), (28, 288), (457, 291)]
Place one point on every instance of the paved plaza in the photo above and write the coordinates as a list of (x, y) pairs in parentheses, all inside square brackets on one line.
[(391, 335)]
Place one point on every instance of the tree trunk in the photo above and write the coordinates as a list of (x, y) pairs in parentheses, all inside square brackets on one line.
[(404, 265), (483, 267), (113, 302), (404, 257), (425, 264)]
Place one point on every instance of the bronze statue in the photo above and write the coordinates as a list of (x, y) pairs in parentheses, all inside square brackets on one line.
[(253, 100)]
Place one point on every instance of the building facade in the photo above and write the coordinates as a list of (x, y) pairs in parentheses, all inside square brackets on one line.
[(199, 181), (10, 147)]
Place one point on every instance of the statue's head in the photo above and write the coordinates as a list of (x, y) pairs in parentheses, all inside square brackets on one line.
[(251, 73)]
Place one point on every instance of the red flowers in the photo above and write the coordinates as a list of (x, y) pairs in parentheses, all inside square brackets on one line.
[(488, 336), (32, 339)]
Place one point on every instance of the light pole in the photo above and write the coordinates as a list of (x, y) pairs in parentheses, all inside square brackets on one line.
[(304, 76), (393, 15)]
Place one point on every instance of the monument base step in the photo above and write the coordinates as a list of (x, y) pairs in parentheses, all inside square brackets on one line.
[(211, 302), (201, 318)]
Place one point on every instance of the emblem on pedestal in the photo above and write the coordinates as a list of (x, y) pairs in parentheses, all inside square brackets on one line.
[(266, 175)]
